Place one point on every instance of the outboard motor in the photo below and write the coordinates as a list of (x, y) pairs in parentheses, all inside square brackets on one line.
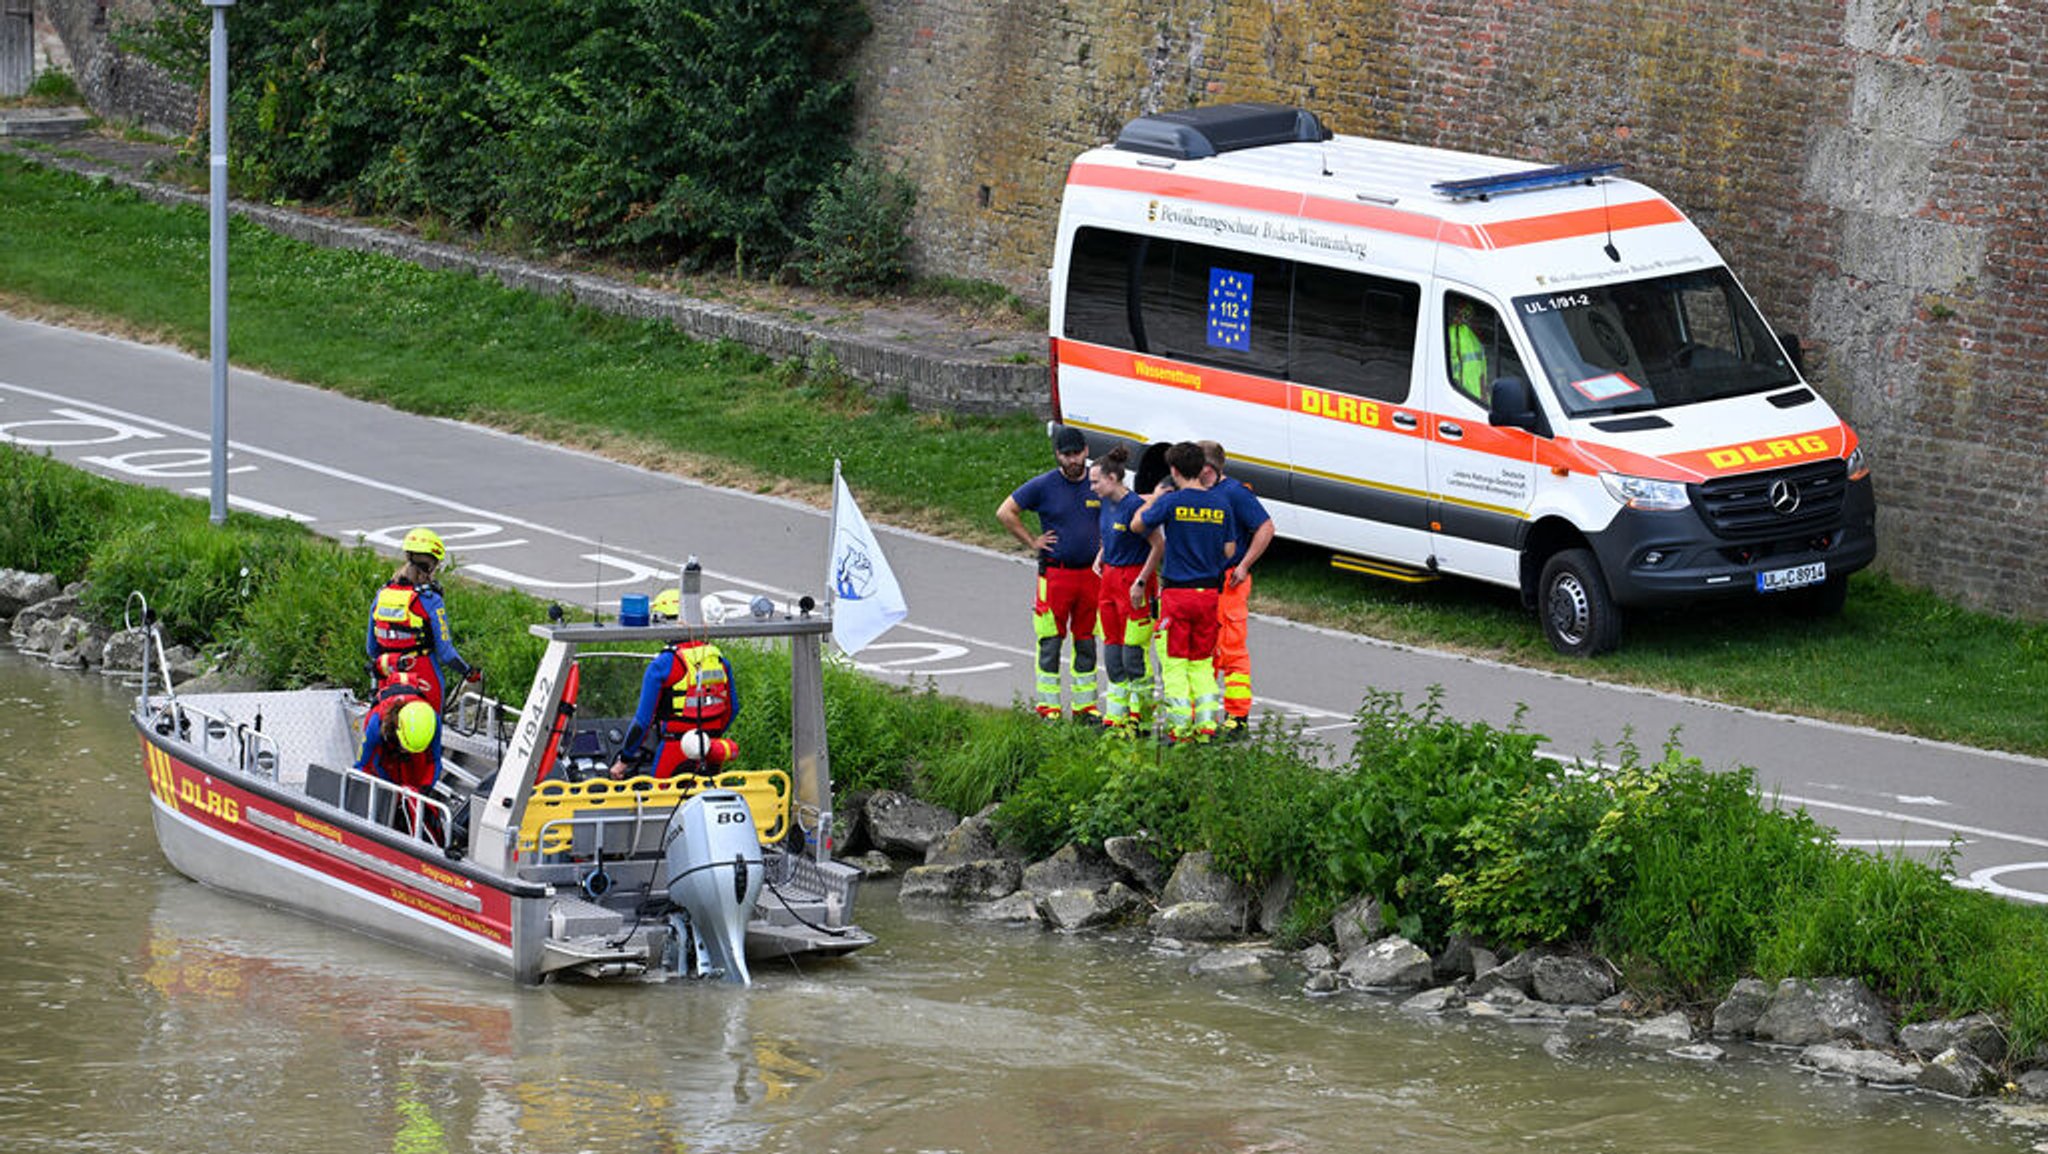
[(713, 867)]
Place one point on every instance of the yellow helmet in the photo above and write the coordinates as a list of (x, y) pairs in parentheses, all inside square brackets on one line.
[(416, 723), (667, 603), (425, 540)]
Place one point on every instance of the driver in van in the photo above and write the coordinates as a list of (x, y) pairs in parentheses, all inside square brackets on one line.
[(1468, 352)]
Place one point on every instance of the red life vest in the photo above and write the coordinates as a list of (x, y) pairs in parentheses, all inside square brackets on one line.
[(389, 760), (698, 693), (398, 620)]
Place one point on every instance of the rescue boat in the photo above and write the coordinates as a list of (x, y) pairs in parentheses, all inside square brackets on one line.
[(525, 859)]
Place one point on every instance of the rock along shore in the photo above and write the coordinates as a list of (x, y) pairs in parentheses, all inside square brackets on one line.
[(1830, 1026)]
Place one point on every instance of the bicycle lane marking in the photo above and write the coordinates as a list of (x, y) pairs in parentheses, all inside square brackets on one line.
[(119, 424)]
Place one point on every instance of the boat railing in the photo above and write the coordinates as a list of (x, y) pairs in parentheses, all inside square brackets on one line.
[(224, 739), (389, 804), (624, 818)]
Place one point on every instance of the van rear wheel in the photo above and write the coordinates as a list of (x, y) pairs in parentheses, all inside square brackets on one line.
[(1579, 616)]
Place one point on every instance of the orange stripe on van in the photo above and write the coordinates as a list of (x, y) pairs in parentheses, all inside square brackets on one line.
[(1377, 218), (1580, 222)]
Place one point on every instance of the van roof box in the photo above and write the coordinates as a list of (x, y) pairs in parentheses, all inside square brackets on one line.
[(1194, 133)]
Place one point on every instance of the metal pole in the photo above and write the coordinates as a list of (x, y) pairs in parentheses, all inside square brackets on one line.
[(218, 250)]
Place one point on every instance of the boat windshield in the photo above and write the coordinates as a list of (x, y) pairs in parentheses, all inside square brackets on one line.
[(1654, 343)]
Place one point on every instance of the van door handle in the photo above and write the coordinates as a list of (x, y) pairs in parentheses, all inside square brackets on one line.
[(1450, 431), (1404, 420)]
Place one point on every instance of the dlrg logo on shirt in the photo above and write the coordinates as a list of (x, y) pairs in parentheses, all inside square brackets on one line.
[(1201, 516)]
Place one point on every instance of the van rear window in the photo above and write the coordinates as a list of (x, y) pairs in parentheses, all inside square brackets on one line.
[(1251, 312)]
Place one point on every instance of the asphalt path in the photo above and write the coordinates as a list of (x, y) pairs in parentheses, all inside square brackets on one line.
[(584, 530)]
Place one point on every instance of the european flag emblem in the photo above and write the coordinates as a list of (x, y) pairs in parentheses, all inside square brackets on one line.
[(1230, 309)]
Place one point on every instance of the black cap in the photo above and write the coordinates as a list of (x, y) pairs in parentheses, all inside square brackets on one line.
[(1067, 439)]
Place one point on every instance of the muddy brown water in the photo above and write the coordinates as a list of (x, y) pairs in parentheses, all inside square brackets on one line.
[(145, 1013)]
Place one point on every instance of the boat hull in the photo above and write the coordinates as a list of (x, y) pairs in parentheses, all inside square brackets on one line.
[(233, 833)]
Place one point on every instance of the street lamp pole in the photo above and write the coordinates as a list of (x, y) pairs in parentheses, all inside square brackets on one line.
[(218, 250)]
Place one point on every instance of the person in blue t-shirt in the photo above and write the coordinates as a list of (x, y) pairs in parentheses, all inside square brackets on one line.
[(1254, 533), (1193, 537), (1126, 627), (1065, 546)]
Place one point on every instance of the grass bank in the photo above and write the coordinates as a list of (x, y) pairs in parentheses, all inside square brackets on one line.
[(450, 345), (1688, 879)]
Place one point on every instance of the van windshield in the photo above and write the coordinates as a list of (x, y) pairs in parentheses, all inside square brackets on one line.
[(1652, 344)]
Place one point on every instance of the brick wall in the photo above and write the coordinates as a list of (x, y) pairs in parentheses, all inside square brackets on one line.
[(1873, 170)]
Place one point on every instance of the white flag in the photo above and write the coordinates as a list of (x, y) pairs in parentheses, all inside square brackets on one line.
[(866, 600)]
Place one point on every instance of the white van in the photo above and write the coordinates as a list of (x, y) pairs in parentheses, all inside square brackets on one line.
[(1435, 363)]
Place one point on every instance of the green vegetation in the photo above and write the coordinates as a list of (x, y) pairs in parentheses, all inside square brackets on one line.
[(451, 345), (1686, 878), (671, 129), (855, 239)]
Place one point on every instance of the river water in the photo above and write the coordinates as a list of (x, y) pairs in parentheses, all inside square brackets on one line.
[(144, 1013)]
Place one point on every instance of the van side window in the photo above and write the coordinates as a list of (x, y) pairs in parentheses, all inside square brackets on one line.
[(1258, 314), (1477, 351), (1354, 333), (1101, 288), (1222, 308)]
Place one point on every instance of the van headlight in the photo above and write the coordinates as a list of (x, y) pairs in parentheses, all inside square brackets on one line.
[(1646, 494), (1859, 466)]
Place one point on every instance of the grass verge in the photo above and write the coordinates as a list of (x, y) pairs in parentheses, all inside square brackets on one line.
[(450, 345)]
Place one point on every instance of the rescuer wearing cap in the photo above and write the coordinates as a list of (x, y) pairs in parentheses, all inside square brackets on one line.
[(401, 745), (1069, 537), (408, 630)]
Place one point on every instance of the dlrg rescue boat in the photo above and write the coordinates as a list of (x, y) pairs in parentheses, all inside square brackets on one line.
[(510, 862)]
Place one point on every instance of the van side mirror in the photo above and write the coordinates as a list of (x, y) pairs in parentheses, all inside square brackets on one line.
[(1514, 406), (1794, 350)]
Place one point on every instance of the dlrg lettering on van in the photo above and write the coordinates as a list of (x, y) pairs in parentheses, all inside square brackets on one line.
[(1433, 362)]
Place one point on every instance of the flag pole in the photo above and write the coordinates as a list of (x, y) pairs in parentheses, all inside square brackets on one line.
[(832, 543)]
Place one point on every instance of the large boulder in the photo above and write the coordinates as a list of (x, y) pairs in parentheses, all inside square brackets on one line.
[(1518, 972), (1975, 1034), (1197, 921), (974, 839), (1572, 981), (1141, 866), (122, 654), (1864, 1065), (1736, 1016), (974, 881), (1082, 909), (20, 589), (1958, 1073), (1072, 867), (1197, 880), (897, 823), (1356, 923), (1391, 963), (64, 604), (1804, 1012), (1017, 909)]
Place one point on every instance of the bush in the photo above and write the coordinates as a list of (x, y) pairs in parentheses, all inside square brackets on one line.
[(1705, 884), (1415, 780), (667, 128), (855, 236)]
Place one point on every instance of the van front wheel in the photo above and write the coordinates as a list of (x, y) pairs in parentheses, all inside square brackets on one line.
[(1579, 617)]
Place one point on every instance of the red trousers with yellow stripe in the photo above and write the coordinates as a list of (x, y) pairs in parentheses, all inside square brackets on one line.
[(1233, 660)]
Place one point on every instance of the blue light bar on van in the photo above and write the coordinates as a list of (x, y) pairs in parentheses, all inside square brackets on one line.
[(1528, 180)]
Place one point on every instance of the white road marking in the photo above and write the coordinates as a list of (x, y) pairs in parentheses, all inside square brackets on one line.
[(251, 505)]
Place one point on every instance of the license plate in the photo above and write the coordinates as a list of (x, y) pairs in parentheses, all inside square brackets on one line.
[(1797, 577)]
